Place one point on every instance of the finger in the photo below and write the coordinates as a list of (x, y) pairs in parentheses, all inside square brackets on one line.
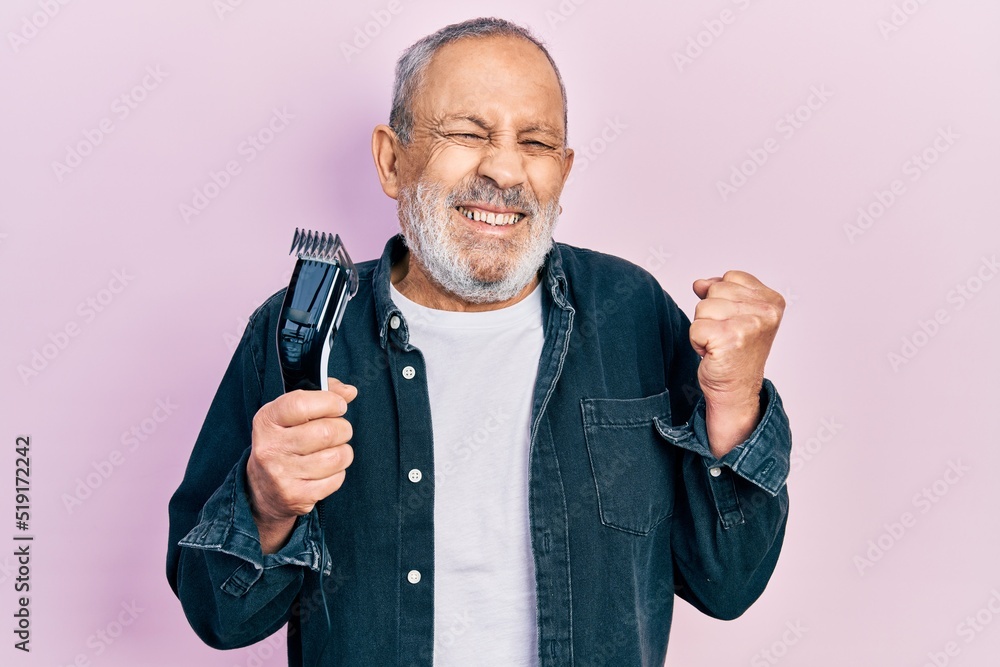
[(300, 406), (317, 435), (731, 291), (712, 308), (701, 286), (742, 278), (700, 334), (321, 488), (323, 464), (346, 391)]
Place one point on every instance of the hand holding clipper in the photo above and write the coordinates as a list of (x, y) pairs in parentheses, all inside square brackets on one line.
[(299, 451)]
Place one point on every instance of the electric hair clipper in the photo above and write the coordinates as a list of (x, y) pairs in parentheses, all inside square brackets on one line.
[(323, 282)]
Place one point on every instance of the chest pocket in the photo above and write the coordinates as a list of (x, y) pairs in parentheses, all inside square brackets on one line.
[(632, 464)]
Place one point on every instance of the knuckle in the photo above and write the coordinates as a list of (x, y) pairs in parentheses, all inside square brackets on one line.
[(739, 336), (261, 451), (260, 420), (323, 432), (297, 403), (774, 310), (333, 457), (729, 275)]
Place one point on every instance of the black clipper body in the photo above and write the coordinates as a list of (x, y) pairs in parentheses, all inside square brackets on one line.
[(324, 280)]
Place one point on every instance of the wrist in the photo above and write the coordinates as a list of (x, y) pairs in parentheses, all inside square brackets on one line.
[(273, 530), (730, 423)]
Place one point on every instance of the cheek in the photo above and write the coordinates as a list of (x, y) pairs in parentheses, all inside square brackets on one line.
[(450, 164), (545, 176)]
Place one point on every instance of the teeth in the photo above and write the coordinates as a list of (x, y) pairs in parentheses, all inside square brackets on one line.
[(494, 219)]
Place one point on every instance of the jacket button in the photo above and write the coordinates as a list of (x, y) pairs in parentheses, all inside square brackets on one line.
[(415, 475), (409, 372), (413, 576), (394, 321), (715, 472)]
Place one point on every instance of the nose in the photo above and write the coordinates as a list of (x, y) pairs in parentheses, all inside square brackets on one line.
[(503, 164)]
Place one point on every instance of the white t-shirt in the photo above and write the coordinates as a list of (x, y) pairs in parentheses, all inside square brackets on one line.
[(481, 370)]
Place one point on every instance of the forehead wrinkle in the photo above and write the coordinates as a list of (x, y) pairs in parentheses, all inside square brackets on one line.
[(452, 78), (471, 117)]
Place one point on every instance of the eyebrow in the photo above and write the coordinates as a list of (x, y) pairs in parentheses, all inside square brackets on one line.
[(544, 129), (475, 120), (485, 126)]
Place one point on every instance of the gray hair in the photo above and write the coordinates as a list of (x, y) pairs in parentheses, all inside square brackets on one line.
[(413, 63)]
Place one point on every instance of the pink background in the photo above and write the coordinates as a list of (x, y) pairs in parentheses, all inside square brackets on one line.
[(661, 136)]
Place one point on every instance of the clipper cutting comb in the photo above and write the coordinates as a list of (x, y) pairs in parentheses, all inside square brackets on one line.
[(324, 280)]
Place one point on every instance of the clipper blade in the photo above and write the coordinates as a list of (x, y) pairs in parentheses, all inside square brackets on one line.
[(323, 281), (324, 247)]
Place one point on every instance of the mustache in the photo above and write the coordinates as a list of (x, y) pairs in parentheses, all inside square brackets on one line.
[(482, 190)]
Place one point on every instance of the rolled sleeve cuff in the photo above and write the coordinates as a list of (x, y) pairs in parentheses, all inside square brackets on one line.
[(226, 525), (763, 458)]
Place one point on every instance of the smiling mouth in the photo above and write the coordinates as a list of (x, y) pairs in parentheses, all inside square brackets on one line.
[(489, 217)]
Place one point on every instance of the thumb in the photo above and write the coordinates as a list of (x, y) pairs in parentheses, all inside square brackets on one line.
[(701, 286), (347, 391)]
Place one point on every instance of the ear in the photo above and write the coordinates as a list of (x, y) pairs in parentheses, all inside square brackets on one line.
[(567, 165), (385, 151)]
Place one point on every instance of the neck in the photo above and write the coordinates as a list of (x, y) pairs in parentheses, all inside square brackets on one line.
[(413, 282)]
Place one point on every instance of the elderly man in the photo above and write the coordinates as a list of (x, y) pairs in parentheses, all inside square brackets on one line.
[(543, 449)]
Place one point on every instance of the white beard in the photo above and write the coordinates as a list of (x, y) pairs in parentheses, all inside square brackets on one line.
[(474, 267)]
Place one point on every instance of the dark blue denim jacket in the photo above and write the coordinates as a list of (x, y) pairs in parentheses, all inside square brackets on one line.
[(627, 504)]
